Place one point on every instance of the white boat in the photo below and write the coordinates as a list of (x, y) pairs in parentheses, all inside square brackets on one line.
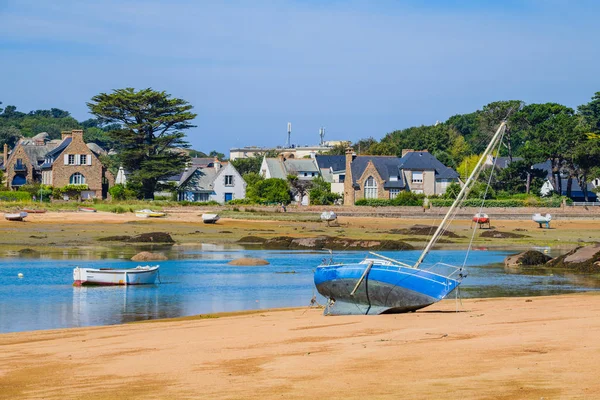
[(210, 218), (16, 216), (328, 216), (139, 275), (147, 213), (542, 219)]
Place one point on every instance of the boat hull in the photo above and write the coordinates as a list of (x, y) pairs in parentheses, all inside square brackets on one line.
[(383, 290), (109, 277)]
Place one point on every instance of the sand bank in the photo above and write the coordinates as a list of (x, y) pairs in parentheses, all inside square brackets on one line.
[(509, 348)]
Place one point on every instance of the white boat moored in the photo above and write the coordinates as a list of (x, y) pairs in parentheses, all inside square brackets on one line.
[(210, 218), (140, 275), (16, 216)]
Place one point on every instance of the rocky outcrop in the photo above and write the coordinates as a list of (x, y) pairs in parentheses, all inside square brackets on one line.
[(581, 259), (526, 258), (502, 235), (248, 262), (147, 256), (333, 243), (150, 237)]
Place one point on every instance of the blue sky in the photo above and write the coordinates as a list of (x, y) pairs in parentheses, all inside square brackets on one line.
[(358, 68)]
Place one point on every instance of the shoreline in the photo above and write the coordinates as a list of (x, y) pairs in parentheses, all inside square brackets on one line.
[(510, 348)]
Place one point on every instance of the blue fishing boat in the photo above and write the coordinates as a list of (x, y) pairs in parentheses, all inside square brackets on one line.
[(381, 285)]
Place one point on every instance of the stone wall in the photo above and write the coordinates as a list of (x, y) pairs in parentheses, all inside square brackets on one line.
[(62, 172), (9, 173)]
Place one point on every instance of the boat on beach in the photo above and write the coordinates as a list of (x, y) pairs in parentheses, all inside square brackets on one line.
[(210, 218), (34, 211), (140, 275), (382, 285), (482, 219), (542, 219), (146, 213), (15, 216), (87, 209)]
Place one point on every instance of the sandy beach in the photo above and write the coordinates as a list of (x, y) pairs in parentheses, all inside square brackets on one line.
[(509, 348)]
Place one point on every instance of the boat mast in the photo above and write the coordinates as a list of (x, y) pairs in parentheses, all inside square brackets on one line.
[(461, 194)]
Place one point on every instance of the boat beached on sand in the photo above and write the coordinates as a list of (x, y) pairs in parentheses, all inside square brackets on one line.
[(384, 285), (16, 216), (210, 218), (108, 276), (146, 213), (542, 219)]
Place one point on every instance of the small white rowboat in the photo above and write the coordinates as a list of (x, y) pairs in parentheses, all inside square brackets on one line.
[(16, 216), (210, 218), (107, 276), (328, 216), (542, 219), (149, 214)]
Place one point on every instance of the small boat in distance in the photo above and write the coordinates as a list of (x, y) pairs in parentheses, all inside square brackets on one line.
[(210, 218), (16, 216), (34, 211), (147, 213), (542, 219), (328, 216), (87, 209), (482, 219), (139, 275)]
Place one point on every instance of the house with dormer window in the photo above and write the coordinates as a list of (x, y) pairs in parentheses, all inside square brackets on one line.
[(213, 181)]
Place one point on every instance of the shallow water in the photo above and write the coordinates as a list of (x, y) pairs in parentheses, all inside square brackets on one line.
[(200, 281)]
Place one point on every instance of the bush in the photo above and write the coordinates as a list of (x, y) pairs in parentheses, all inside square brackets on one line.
[(269, 191), (402, 199), (241, 202), (119, 210), (15, 196), (320, 193), (553, 202), (121, 192)]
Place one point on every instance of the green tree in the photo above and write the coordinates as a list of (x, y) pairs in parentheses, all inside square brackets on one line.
[(320, 192), (215, 153), (269, 191), (299, 187), (590, 114), (252, 178), (248, 165), (150, 133), (467, 166), (9, 135)]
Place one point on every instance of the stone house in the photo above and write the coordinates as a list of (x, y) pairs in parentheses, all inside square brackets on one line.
[(333, 170), (211, 181), (384, 177), (59, 163)]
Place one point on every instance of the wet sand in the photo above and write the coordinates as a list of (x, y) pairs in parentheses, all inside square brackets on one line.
[(508, 348)]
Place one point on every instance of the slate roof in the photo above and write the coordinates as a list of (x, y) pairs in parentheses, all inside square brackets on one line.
[(424, 160), (276, 168), (336, 163), (203, 161), (293, 165), (386, 166), (200, 179)]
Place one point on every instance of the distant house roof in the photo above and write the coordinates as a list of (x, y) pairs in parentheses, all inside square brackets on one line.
[(203, 161), (295, 165), (336, 163), (201, 179), (276, 168), (386, 166), (424, 160)]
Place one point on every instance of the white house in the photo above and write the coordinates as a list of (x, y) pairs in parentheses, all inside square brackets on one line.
[(281, 167), (219, 182)]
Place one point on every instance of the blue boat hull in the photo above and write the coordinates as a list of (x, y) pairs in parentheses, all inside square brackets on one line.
[(385, 288)]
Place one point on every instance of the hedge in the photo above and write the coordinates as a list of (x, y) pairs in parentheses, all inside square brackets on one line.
[(402, 199), (553, 202), (15, 196)]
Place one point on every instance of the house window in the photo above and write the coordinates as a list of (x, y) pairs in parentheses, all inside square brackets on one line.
[(342, 178), (419, 191), (445, 183), (77, 179), (417, 177), (370, 188), (71, 159), (83, 159), (393, 178), (394, 193), (305, 174), (228, 180), (201, 197)]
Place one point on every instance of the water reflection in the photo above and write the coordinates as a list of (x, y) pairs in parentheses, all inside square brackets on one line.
[(198, 280)]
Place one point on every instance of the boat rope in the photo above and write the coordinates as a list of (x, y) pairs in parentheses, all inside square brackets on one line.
[(487, 187)]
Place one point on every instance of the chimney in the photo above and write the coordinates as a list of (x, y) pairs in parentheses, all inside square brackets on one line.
[(5, 155), (406, 151), (348, 187), (64, 135), (77, 134), (217, 164), (281, 156)]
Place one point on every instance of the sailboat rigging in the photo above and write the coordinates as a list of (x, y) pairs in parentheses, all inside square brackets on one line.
[(385, 285)]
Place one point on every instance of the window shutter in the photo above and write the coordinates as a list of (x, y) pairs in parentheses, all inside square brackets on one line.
[(66, 159), (89, 159), (77, 158)]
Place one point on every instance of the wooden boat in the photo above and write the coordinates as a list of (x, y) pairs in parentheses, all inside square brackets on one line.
[(210, 218), (16, 216), (384, 285), (542, 219), (34, 211), (482, 219), (147, 213), (87, 209), (139, 275)]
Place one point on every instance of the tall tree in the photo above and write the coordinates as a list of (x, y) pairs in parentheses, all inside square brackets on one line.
[(150, 136), (590, 114), (9, 135)]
